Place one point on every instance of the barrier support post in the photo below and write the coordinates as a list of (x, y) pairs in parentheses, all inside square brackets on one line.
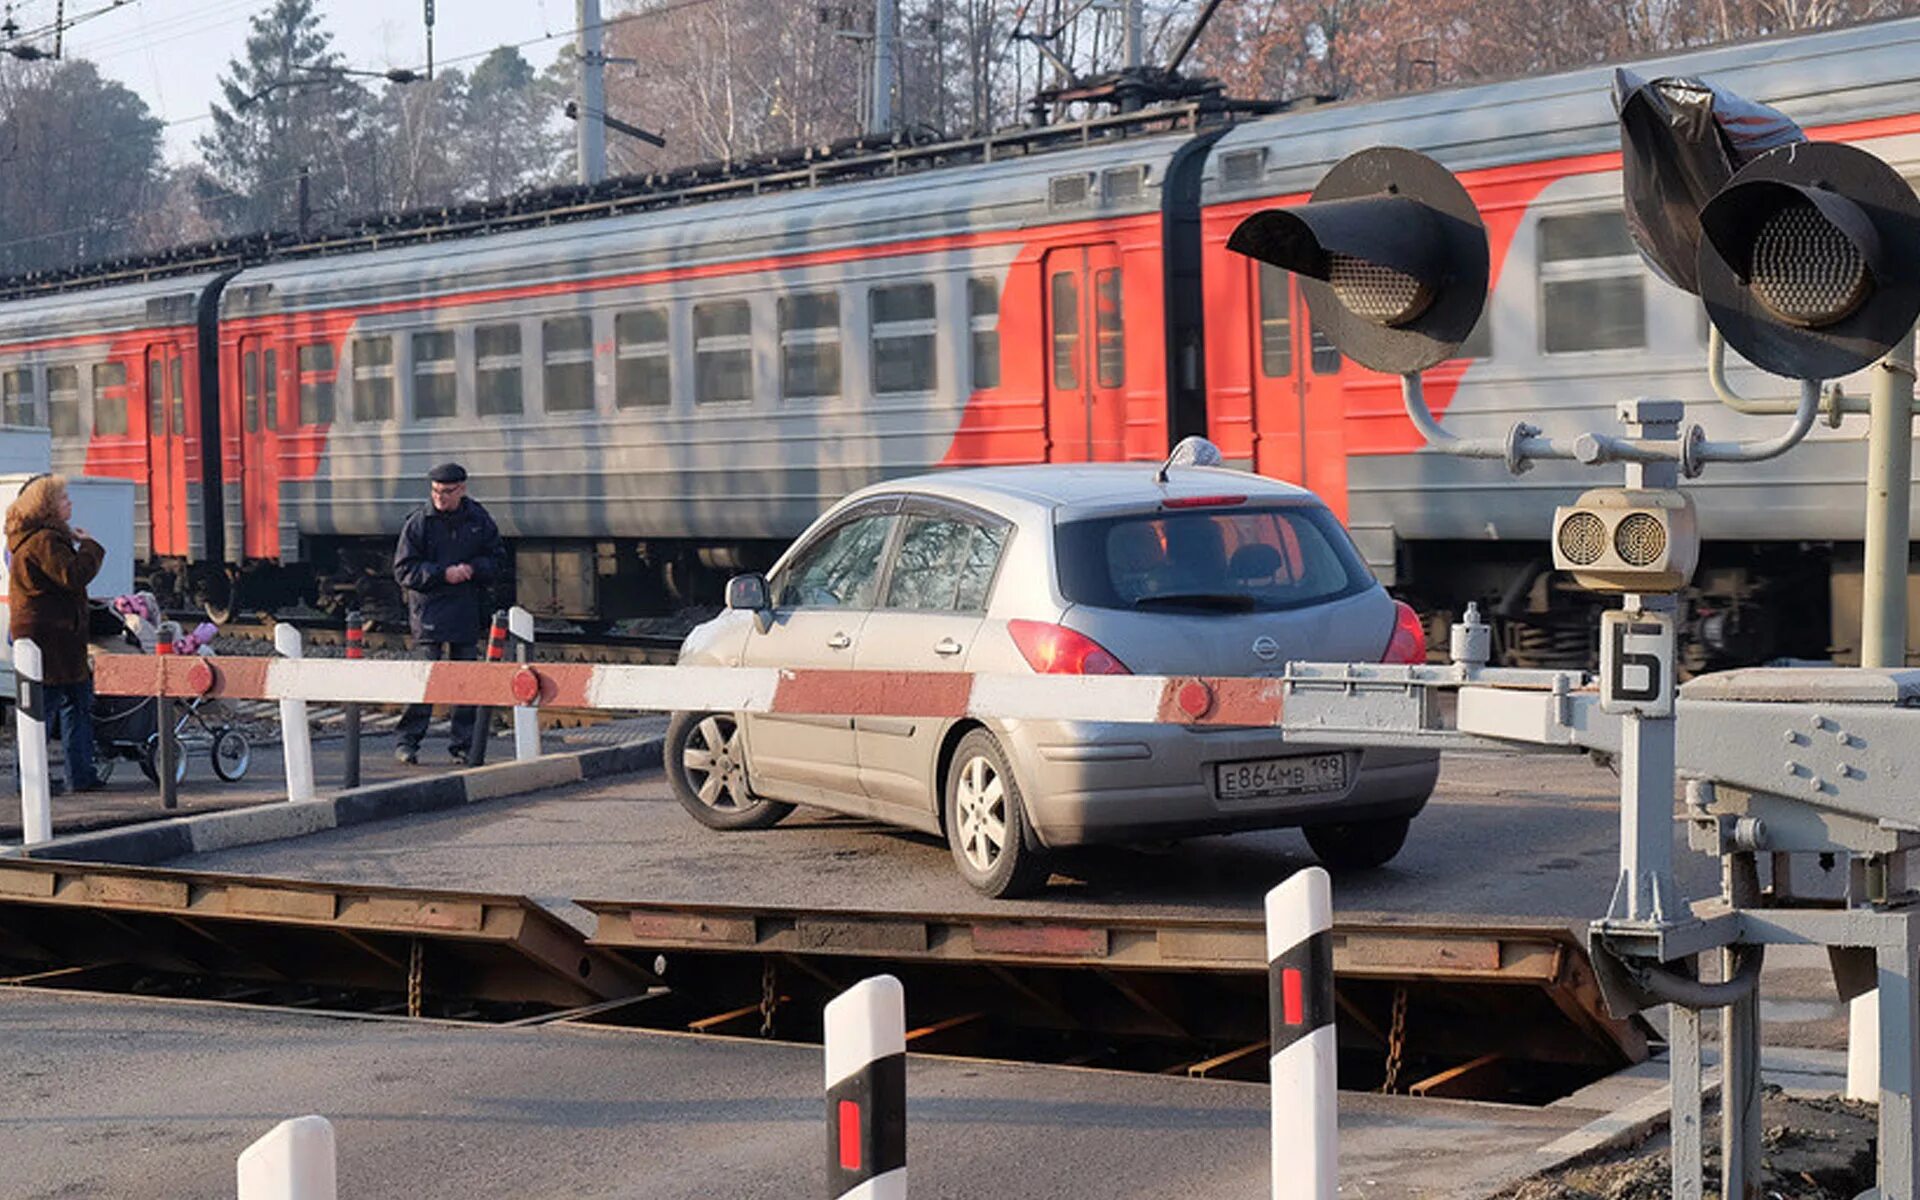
[(356, 649), (866, 1058), (1306, 1132), (295, 739), (166, 758), (526, 718), (30, 722), (294, 1161), (483, 717)]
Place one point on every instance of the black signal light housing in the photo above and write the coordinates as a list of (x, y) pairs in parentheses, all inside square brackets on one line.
[(1392, 255)]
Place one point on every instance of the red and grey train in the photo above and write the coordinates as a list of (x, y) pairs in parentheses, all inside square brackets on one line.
[(668, 387)]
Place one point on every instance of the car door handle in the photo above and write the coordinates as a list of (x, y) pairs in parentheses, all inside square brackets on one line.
[(839, 641), (947, 646)]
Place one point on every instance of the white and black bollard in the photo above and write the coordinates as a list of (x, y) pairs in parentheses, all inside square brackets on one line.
[(294, 1161), (866, 1055), (30, 722), (1306, 1136), (296, 740), (526, 718)]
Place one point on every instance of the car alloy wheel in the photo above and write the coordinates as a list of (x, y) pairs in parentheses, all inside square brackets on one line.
[(980, 803), (712, 761)]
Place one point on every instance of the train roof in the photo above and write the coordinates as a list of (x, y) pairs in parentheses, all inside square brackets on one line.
[(145, 304), (1104, 180), (1852, 74)]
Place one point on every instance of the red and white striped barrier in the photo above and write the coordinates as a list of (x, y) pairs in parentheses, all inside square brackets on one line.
[(294, 1161), (30, 725), (866, 1056), (1306, 1142), (1153, 699)]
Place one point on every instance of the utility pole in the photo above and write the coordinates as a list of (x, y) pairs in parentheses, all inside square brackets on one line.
[(886, 29), (429, 18), (1133, 21), (590, 142)]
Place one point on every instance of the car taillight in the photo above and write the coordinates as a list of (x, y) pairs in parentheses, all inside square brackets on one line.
[(1202, 501), (1057, 650), (1409, 643)]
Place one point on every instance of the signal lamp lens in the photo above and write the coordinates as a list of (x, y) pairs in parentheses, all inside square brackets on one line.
[(1805, 271), (1056, 650), (1583, 539), (1640, 539), (1409, 642), (1376, 293)]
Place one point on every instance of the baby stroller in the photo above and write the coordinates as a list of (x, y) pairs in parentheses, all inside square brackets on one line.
[(127, 728)]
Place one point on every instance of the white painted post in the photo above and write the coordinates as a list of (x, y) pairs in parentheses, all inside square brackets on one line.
[(1306, 1131), (866, 1055), (295, 739), (30, 702), (526, 718), (294, 1161), (1863, 1046)]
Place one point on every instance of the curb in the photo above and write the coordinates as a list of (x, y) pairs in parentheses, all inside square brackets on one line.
[(279, 820)]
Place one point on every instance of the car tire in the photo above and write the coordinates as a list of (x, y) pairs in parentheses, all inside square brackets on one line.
[(987, 821), (706, 763), (1358, 845)]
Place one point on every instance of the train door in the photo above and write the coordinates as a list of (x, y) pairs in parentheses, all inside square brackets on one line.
[(167, 449), (1299, 407), (1086, 356), (260, 446)]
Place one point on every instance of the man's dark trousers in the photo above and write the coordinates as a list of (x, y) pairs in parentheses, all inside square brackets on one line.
[(413, 722)]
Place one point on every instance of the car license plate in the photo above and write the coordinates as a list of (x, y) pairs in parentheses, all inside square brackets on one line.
[(1299, 775)]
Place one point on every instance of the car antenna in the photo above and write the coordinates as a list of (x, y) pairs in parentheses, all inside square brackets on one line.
[(1193, 451)]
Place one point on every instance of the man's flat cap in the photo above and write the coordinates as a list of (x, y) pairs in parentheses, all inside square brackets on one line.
[(448, 472)]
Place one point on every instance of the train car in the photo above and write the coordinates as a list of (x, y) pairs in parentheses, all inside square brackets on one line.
[(647, 402), (1574, 323), (116, 374)]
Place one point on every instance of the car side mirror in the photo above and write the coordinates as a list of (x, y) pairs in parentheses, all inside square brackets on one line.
[(750, 593)]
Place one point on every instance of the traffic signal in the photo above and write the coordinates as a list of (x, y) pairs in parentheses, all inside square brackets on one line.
[(1810, 260), (1392, 255)]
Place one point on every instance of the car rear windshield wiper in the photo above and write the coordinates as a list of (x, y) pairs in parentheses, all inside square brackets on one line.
[(1217, 601)]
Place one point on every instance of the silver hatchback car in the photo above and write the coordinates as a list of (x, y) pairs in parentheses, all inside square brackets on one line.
[(1094, 569)]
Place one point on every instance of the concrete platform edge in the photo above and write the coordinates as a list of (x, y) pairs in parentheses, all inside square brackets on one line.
[(176, 837)]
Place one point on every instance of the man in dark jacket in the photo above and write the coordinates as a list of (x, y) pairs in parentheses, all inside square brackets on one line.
[(449, 553), (52, 564)]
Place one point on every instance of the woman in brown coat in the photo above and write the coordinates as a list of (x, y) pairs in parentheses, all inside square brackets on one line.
[(51, 565)]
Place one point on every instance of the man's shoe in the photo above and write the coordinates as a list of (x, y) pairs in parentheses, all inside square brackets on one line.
[(459, 754), (407, 754), (92, 785)]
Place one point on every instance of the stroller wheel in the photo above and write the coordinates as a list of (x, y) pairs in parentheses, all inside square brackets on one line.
[(232, 753), (103, 765), (150, 761)]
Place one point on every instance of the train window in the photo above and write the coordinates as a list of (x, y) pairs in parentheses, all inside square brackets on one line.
[(1276, 322), (316, 383), (436, 389), (566, 346), (903, 325), (983, 316), (373, 379), (63, 401), (250, 389), (1066, 330), (496, 355), (156, 396), (1324, 358), (109, 399), (722, 351), (1592, 286), (643, 366), (810, 345), (269, 401), (16, 398), (1109, 336)]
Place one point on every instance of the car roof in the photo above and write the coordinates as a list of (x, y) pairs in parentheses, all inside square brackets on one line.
[(1088, 486)]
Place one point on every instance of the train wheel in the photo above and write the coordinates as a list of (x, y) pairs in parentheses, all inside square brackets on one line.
[(218, 592)]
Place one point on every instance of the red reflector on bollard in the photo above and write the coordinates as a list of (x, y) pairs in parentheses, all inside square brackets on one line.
[(1293, 1001), (200, 677), (849, 1135), (1195, 699)]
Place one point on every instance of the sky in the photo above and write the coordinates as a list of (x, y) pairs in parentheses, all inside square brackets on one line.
[(172, 52)]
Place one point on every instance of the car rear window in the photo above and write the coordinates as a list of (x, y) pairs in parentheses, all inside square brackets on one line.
[(1224, 560)]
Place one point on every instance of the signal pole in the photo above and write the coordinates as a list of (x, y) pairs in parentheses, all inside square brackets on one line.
[(1133, 33), (886, 28), (590, 136)]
